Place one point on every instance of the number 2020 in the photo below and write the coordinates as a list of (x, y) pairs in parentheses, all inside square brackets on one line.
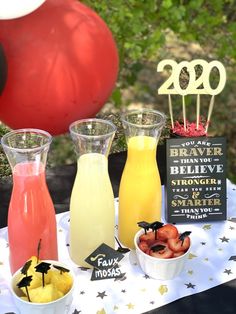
[(200, 85)]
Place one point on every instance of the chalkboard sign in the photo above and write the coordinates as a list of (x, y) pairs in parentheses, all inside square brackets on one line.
[(195, 187), (105, 262)]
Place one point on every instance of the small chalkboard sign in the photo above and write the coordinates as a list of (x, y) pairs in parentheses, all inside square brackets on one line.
[(195, 187), (105, 262)]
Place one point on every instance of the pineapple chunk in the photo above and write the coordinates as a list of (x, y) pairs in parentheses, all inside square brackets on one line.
[(45, 294), (61, 281)]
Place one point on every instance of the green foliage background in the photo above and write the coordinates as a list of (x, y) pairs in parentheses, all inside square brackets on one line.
[(142, 29)]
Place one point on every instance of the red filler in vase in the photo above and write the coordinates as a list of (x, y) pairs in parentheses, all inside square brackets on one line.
[(31, 215)]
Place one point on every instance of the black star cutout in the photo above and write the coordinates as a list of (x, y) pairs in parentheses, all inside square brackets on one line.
[(76, 311), (224, 239), (101, 294), (152, 302), (228, 271), (231, 228), (82, 292), (146, 276), (123, 291), (203, 243), (190, 285)]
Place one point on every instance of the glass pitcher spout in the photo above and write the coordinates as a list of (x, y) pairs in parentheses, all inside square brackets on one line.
[(27, 146), (92, 136)]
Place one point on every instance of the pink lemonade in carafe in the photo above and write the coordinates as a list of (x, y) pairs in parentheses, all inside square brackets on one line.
[(32, 226), (31, 217)]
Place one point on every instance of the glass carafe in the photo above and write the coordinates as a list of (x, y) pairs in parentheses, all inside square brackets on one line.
[(31, 216), (140, 195), (92, 212)]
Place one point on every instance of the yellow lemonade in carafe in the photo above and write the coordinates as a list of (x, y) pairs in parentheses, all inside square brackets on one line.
[(92, 212), (140, 196)]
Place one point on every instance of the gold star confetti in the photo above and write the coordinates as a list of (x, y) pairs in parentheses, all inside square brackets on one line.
[(191, 256), (130, 306), (206, 259), (206, 227), (220, 249), (101, 312), (60, 230), (115, 307), (163, 289), (143, 290), (190, 272), (1, 263)]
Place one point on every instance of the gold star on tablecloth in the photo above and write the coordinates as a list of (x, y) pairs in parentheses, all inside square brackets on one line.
[(206, 227), (163, 289), (130, 306), (191, 256)]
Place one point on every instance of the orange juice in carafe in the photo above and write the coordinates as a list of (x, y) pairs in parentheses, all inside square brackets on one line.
[(140, 195)]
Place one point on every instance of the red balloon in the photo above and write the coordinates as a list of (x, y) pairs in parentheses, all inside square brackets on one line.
[(62, 66)]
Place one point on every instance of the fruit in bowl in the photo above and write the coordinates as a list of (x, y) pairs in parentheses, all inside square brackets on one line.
[(42, 287), (162, 253)]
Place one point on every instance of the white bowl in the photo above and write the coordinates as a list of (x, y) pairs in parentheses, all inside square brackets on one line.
[(159, 268), (59, 306)]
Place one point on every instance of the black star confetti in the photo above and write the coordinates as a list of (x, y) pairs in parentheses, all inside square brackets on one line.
[(203, 243), (123, 291), (190, 285), (228, 271), (101, 294), (224, 239), (232, 258), (76, 311), (146, 276), (231, 228), (82, 292), (152, 302)]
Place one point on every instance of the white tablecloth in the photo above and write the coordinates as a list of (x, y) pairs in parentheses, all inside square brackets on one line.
[(208, 265)]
